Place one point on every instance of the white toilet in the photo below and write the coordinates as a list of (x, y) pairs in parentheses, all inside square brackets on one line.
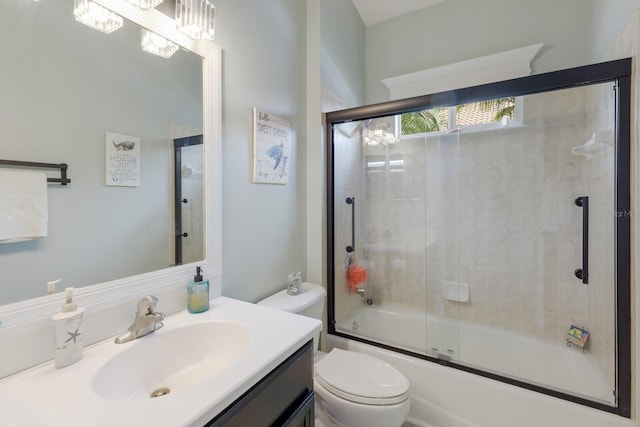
[(352, 389)]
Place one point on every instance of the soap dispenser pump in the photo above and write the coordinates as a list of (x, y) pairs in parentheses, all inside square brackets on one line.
[(198, 293), (68, 332)]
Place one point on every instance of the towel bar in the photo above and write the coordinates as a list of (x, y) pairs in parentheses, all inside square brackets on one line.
[(63, 180)]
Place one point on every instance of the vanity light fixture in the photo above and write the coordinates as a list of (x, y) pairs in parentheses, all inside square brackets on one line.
[(195, 18), (156, 44), (145, 4), (379, 134), (96, 16)]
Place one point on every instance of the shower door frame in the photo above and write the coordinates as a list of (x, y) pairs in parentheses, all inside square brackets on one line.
[(617, 72), (178, 145)]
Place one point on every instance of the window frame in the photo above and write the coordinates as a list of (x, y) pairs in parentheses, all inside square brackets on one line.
[(517, 121)]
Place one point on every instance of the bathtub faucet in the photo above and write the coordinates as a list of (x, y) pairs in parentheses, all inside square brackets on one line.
[(363, 293)]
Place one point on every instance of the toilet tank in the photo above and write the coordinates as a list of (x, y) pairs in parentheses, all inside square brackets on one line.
[(308, 302)]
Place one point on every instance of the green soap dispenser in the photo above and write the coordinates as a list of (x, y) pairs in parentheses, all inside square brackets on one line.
[(198, 293)]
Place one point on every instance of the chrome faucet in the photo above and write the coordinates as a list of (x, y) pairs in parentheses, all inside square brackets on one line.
[(363, 293), (147, 320)]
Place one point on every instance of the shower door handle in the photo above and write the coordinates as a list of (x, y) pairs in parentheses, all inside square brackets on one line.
[(352, 201), (583, 273)]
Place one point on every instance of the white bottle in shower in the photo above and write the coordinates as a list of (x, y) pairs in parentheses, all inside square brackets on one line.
[(67, 327)]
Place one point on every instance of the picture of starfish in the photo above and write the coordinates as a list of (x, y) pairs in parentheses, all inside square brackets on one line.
[(73, 335)]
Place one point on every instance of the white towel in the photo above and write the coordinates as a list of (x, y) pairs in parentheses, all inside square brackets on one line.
[(23, 205)]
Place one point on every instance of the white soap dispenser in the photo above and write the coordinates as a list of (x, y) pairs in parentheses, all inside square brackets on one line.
[(68, 332)]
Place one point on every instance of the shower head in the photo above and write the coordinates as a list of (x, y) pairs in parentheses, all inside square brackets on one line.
[(600, 143)]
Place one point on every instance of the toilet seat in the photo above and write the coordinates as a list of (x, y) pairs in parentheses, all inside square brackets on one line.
[(361, 378)]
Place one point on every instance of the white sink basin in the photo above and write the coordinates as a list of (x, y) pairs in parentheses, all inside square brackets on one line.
[(207, 360), (169, 361)]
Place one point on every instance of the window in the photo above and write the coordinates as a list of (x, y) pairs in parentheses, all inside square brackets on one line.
[(483, 115)]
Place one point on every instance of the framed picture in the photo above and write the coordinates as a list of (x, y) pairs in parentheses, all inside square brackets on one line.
[(271, 149), (122, 160)]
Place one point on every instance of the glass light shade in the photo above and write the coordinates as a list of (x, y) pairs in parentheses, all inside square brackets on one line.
[(145, 4), (379, 134), (96, 16), (158, 45), (195, 18)]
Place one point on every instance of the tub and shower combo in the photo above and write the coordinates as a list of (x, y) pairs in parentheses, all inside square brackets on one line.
[(492, 223)]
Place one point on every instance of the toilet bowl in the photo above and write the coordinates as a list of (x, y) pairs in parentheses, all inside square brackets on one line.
[(352, 389), (358, 390)]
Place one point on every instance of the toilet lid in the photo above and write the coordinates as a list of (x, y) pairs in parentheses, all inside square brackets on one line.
[(361, 378)]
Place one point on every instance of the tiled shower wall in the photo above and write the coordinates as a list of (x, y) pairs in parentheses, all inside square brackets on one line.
[(348, 183), (397, 219), (496, 210), (600, 182)]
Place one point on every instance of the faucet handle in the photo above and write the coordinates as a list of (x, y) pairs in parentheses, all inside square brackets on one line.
[(147, 305)]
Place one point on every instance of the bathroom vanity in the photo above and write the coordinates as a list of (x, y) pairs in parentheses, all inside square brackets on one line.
[(237, 364), (282, 398)]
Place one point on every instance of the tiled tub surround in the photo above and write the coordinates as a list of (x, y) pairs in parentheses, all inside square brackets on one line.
[(494, 210), (600, 176), (348, 148)]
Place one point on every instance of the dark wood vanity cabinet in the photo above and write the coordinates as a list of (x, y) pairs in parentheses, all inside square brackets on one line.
[(284, 397)]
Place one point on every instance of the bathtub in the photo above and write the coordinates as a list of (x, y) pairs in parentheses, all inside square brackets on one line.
[(445, 397)]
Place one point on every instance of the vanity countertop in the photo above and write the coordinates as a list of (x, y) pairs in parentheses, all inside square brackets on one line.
[(45, 396)]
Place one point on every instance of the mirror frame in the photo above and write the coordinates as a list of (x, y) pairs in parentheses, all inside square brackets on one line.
[(109, 294)]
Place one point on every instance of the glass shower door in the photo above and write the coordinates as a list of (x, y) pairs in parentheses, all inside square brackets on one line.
[(490, 236), (189, 200), (380, 229), (525, 239)]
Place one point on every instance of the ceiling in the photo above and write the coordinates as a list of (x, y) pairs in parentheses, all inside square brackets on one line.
[(374, 11)]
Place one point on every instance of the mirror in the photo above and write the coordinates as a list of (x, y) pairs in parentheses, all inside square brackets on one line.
[(66, 86)]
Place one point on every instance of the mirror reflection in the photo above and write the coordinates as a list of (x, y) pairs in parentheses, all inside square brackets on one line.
[(66, 89)]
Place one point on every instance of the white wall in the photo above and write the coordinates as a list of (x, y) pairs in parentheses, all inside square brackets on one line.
[(266, 64), (608, 18), (456, 30), (342, 60), (264, 226)]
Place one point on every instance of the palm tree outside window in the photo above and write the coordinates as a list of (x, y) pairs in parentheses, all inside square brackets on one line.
[(490, 114)]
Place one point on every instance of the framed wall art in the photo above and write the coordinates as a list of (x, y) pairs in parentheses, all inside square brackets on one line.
[(271, 149), (122, 160)]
